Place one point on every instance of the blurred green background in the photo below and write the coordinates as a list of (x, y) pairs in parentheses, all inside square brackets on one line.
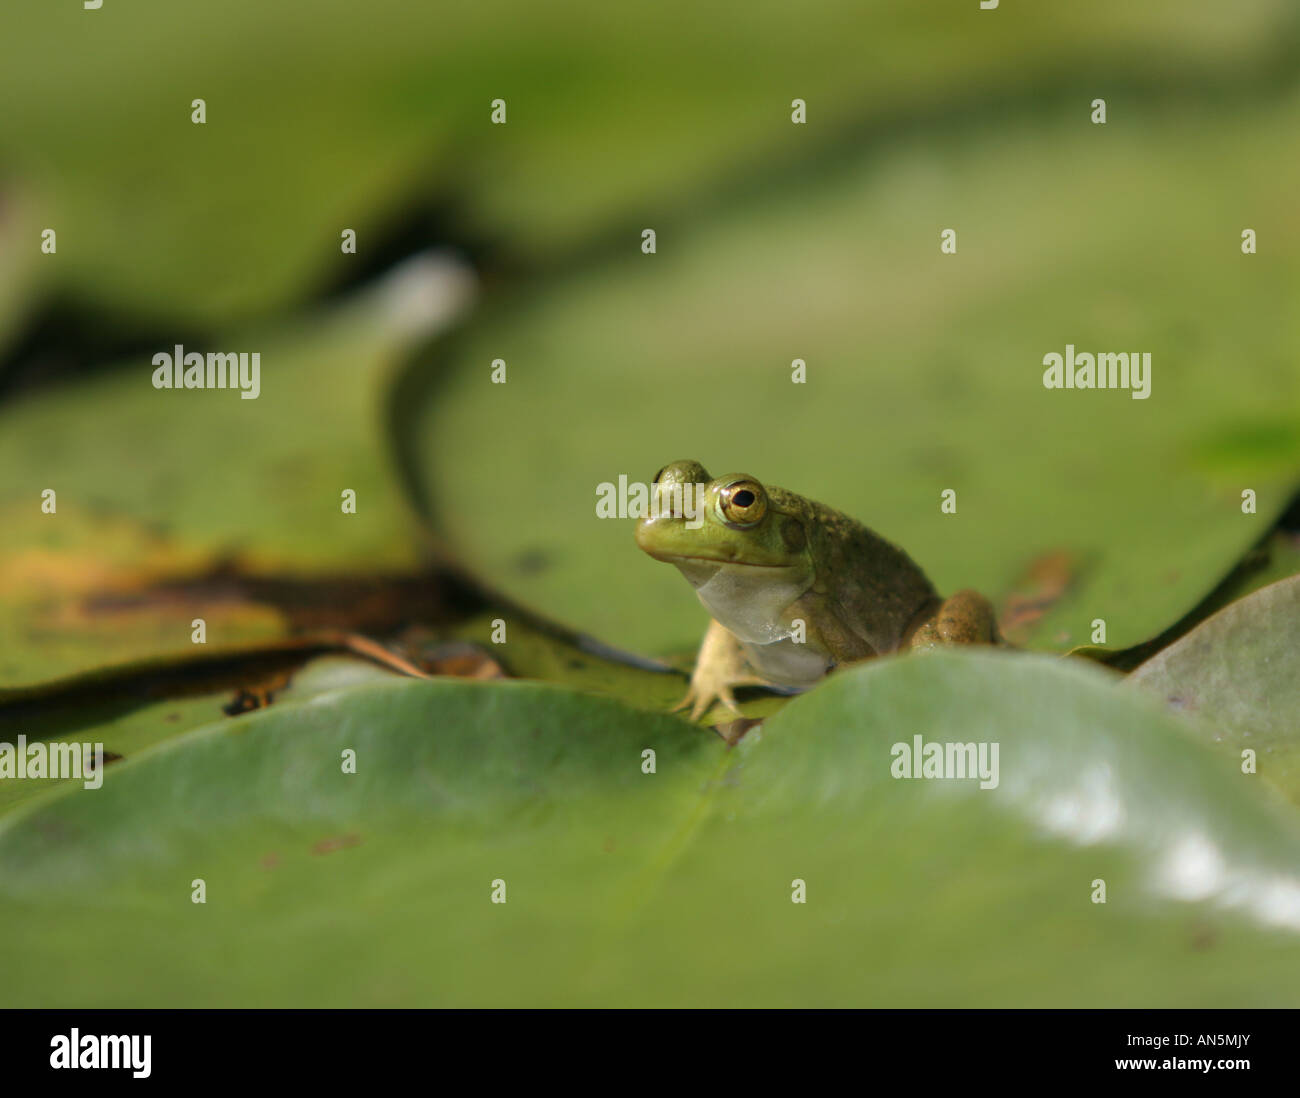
[(523, 242)]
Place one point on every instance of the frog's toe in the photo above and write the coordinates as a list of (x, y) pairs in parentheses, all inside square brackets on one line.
[(699, 701), (701, 697), (689, 701)]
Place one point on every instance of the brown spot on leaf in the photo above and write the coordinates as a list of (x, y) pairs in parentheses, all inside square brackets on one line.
[(531, 562), (362, 603), (109, 757), (257, 695), (53, 828), (335, 842), (1040, 587)]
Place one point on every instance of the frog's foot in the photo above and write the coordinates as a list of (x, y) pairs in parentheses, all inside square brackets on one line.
[(719, 669), (964, 618), (708, 688)]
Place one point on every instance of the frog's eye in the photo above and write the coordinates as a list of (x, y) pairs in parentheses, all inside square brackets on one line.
[(743, 502)]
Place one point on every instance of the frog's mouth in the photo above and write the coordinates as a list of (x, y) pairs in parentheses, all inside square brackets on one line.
[(701, 571), (664, 549), (717, 562)]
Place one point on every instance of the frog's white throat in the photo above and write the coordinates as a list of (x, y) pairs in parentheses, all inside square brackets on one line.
[(749, 601)]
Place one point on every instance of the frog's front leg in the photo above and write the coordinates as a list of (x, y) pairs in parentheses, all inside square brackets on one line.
[(964, 618), (720, 667)]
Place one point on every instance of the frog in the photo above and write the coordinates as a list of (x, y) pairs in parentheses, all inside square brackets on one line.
[(794, 588)]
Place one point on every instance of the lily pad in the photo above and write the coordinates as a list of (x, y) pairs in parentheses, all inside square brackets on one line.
[(673, 887), (129, 711), (1238, 674), (924, 373), (158, 486), (242, 214)]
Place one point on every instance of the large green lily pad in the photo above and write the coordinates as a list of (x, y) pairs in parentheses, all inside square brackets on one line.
[(157, 485), (243, 214), (136, 709), (924, 372), (675, 887)]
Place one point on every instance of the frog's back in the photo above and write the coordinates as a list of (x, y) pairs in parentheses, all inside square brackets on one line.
[(873, 587)]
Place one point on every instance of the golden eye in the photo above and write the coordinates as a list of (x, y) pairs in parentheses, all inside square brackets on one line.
[(743, 502)]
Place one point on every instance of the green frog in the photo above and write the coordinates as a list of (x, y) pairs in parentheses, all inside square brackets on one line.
[(795, 588)]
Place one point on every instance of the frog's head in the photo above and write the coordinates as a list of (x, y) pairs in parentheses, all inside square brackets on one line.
[(707, 525)]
